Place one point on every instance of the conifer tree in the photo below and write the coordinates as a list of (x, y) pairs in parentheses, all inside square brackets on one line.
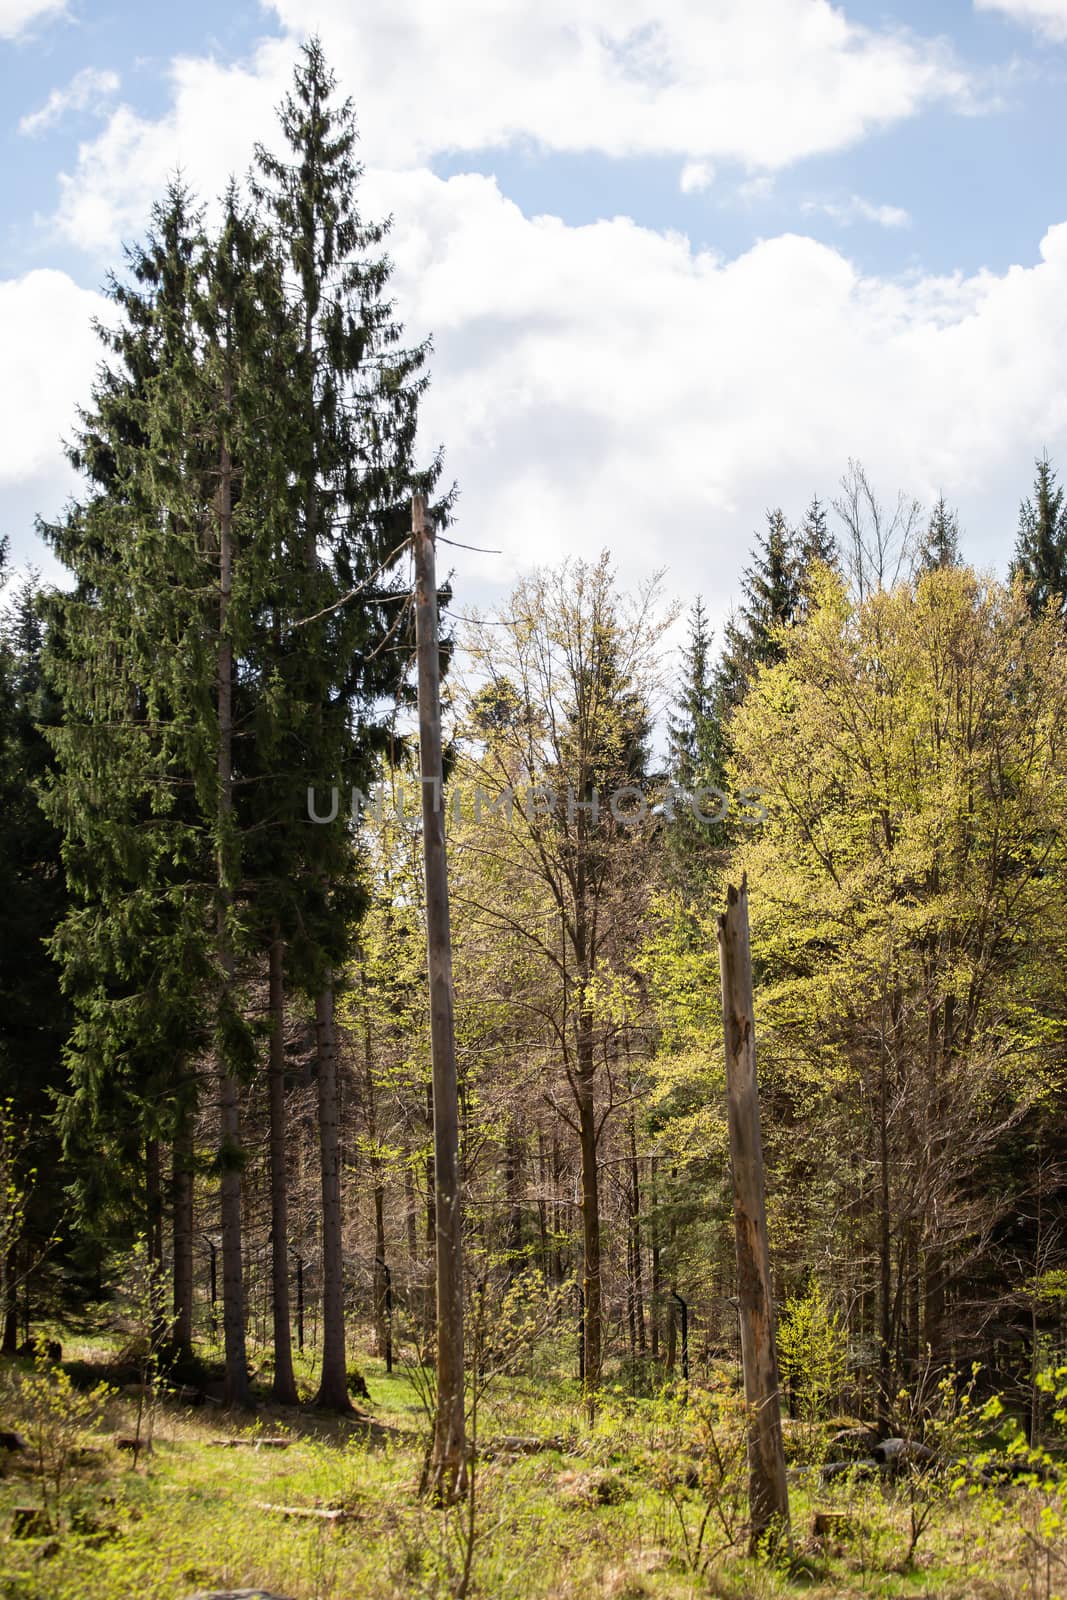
[(688, 723), (815, 547), (174, 556), (696, 753), (815, 539), (940, 547), (353, 413), (131, 948), (771, 598), (33, 1017), (1041, 546)]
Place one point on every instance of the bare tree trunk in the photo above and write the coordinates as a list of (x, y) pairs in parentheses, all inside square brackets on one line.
[(283, 1388), (591, 1273), (557, 1214), (383, 1333), (885, 1344), (231, 1155), (768, 1494), (513, 1193), (333, 1380), (154, 1243), (447, 1474), (635, 1224), (656, 1273), (410, 1217), (182, 1223), (542, 1202)]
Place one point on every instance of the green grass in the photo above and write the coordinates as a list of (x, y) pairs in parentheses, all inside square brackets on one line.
[(598, 1519)]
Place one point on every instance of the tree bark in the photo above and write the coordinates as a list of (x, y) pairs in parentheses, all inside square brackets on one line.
[(182, 1196), (383, 1333), (333, 1380), (236, 1388), (635, 1222), (447, 1472), (656, 1274), (591, 1271), (10, 1308), (283, 1388), (768, 1494), (154, 1244), (410, 1213), (516, 1260), (885, 1258)]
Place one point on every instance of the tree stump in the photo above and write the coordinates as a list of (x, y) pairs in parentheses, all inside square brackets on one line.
[(30, 1522)]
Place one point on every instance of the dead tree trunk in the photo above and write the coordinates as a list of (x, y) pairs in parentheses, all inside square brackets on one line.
[(182, 1226), (446, 1477), (283, 1388), (768, 1495), (333, 1379), (635, 1224), (383, 1332), (231, 1155), (654, 1231), (588, 1144)]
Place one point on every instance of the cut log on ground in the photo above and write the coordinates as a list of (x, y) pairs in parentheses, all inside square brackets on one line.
[(276, 1442), (320, 1513)]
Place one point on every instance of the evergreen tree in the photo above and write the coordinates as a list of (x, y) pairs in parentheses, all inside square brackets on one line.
[(689, 721), (696, 754), (1041, 546), (815, 546), (174, 556), (772, 588), (353, 413), (132, 948), (33, 1017), (940, 547)]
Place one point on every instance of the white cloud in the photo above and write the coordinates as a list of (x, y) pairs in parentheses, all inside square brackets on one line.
[(216, 115), (1048, 16), (88, 90), (696, 175), (50, 355), (763, 83), (16, 16), (857, 209), (752, 190), (609, 385)]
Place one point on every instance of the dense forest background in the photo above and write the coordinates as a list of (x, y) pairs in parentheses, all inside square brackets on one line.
[(213, 1021)]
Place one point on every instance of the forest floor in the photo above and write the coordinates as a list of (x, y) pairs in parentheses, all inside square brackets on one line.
[(611, 1510)]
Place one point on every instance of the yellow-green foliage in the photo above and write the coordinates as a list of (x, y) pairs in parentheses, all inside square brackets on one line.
[(55, 1418), (615, 1514), (812, 1352)]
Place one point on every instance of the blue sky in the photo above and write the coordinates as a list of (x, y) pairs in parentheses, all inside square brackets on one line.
[(873, 238)]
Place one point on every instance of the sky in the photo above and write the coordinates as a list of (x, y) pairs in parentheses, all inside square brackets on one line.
[(680, 259)]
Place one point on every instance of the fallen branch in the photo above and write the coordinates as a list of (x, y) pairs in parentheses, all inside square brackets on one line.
[(274, 1443), (322, 1513)]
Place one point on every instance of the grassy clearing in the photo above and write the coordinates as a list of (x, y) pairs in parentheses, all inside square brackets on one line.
[(608, 1515)]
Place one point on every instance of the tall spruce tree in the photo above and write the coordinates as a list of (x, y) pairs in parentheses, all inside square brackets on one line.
[(771, 589), (689, 721), (354, 408), (695, 756), (33, 1017), (815, 547), (940, 546), (132, 950), (174, 556), (1040, 559)]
